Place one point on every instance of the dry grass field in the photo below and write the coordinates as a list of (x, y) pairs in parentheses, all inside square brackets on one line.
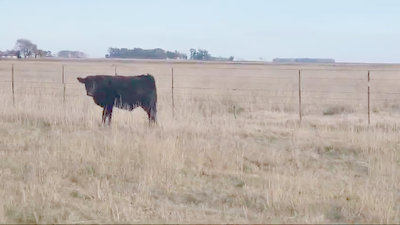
[(202, 165)]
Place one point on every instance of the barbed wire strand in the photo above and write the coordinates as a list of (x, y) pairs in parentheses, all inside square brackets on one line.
[(191, 99), (54, 82), (205, 88)]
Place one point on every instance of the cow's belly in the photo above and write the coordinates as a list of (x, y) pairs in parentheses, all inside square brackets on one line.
[(127, 104)]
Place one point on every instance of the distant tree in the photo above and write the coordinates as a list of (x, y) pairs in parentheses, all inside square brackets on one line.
[(170, 55), (48, 54), (26, 47), (193, 53), (71, 54), (41, 53), (202, 54), (184, 56)]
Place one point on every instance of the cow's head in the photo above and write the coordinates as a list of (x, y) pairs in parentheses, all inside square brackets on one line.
[(90, 85)]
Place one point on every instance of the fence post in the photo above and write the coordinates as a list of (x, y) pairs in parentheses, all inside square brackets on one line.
[(369, 100), (300, 95), (172, 92), (63, 82), (12, 84), (115, 70)]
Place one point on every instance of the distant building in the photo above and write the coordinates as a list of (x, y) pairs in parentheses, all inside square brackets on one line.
[(8, 54), (303, 60)]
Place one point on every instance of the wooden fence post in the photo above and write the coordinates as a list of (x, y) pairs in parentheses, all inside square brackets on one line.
[(369, 100), (12, 84), (63, 81), (172, 92), (115, 70), (300, 95)]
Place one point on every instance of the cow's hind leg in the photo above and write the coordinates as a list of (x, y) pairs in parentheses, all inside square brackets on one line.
[(153, 115), (151, 110)]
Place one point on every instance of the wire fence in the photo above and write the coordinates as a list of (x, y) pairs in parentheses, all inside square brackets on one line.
[(297, 91)]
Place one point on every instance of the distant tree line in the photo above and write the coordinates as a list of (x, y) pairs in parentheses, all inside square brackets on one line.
[(10, 53), (25, 48), (138, 53), (158, 53)]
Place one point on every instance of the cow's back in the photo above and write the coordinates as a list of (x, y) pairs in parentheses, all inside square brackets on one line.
[(134, 89)]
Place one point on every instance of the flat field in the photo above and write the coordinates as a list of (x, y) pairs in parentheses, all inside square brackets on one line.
[(228, 149)]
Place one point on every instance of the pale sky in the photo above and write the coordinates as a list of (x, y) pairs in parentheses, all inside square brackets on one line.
[(345, 30)]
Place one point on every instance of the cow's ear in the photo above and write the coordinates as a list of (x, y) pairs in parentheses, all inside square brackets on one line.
[(81, 80)]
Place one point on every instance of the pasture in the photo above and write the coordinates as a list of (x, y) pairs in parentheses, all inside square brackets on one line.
[(217, 156)]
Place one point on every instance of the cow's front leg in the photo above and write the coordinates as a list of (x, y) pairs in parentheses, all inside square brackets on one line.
[(103, 118), (109, 110), (107, 113)]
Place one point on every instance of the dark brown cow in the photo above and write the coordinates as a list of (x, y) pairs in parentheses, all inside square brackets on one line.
[(124, 92)]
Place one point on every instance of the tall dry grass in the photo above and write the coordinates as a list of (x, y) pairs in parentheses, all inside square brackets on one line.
[(59, 165)]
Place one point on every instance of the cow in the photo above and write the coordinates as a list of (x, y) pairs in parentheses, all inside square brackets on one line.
[(124, 92)]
